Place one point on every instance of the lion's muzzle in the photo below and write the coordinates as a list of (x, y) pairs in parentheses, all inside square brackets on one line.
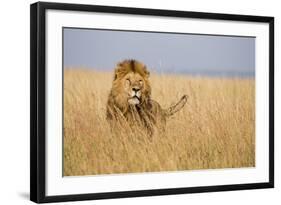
[(135, 96)]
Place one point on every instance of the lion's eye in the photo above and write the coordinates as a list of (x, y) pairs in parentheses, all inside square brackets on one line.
[(128, 82), (141, 82)]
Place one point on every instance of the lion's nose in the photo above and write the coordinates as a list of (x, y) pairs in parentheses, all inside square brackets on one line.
[(135, 89)]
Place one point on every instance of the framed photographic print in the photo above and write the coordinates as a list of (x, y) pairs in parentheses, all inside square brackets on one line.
[(129, 102)]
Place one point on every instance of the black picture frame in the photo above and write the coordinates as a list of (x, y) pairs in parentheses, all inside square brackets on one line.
[(38, 101)]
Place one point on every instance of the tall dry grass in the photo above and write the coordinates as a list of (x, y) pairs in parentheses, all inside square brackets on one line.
[(215, 129)]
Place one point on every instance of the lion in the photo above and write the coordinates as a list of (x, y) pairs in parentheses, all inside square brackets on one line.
[(130, 100)]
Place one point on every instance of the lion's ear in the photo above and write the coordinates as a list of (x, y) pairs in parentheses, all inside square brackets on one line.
[(147, 73), (117, 72)]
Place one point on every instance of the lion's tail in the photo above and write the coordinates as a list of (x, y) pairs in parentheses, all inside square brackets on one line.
[(175, 108)]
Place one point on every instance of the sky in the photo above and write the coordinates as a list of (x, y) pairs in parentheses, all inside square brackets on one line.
[(193, 54)]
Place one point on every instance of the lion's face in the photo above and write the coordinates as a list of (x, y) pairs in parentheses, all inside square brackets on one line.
[(130, 85), (134, 85)]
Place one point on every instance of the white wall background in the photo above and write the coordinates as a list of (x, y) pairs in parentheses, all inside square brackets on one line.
[(14, 100)]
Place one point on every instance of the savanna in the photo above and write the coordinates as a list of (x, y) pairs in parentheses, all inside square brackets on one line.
[(215, 129)]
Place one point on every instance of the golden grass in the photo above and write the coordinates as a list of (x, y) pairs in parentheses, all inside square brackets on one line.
[(215, 129)]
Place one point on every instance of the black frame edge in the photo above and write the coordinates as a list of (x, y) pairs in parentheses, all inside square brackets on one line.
[(154, 12), (37, 102), (33, 103), (155, 192), (271, 102)]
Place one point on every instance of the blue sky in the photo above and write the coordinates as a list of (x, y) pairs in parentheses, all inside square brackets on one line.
[(161, 52)]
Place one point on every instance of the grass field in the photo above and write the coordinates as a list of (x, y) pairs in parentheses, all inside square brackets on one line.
[(215, 129)]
